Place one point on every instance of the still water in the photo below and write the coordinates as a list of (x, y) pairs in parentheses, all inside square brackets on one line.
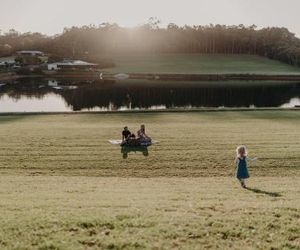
[(61, 96)]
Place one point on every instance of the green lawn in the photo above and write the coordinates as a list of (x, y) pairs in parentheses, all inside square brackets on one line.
[(191, 144), (200, 64), (43, 212), (63, 186)]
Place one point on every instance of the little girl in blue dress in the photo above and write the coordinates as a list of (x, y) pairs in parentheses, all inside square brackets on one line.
[(241, 163)]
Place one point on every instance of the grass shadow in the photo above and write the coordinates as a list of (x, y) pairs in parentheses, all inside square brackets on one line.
[(259, 191), (126, 150)]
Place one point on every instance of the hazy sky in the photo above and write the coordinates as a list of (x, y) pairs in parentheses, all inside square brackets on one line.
[(51, 16)]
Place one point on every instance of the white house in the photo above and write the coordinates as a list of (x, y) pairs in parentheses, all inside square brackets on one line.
[(71, 65), (52, 66), (7, 61), (52, 83)]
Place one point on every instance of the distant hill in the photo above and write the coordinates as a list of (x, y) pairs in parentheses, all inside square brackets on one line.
[(200, 64)]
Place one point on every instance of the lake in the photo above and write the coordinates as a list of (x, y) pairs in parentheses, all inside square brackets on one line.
[(43, 95)]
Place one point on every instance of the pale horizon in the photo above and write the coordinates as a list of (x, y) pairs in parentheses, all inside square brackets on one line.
[(52, 17)]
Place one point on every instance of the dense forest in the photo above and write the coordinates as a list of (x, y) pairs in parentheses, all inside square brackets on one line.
[(94, 43)]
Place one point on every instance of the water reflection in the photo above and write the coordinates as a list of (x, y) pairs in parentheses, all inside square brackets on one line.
[(46, 103), (292, 103), (120, 95)]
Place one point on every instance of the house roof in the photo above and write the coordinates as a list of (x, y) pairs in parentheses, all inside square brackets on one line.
[(74, 63), (30, 52)]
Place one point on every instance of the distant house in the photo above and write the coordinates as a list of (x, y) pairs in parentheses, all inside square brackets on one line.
[(71, 65), (52, 83), (30, 53), (31, 57), (7, 62)]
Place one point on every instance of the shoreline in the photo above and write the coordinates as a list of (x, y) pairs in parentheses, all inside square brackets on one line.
[(153, 76), (203, 110)]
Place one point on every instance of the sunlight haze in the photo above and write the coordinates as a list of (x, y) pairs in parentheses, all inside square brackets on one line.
[(50, 17)]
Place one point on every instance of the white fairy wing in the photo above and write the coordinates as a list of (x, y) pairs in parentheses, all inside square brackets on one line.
[(115, 142), (119, 142)]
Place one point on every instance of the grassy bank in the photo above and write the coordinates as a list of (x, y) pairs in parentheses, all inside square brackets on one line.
[(62, 184), (200, 64), (184, 67)]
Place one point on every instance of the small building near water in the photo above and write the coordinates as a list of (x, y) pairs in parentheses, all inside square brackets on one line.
[(7, 62), (72, 65), (52, 83)]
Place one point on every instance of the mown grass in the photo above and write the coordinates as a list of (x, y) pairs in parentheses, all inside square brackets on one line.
[(62, 184), (190, 144), (200, 64), (43, 212)]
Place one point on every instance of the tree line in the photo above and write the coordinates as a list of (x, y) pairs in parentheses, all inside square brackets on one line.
[(96, 43)]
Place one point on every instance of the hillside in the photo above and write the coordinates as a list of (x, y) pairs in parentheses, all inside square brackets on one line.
[(200, 64)]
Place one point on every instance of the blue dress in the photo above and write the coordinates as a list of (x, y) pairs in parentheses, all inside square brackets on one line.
[(242, 171)]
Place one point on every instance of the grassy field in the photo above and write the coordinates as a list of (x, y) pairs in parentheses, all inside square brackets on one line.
[(63, 186), (200, 64), (45, 212), (191, 144)]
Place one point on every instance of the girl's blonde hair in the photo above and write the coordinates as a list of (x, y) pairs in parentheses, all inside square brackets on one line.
[(241, 151)]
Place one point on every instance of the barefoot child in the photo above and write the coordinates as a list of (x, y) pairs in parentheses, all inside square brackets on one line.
[(241, 162)]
